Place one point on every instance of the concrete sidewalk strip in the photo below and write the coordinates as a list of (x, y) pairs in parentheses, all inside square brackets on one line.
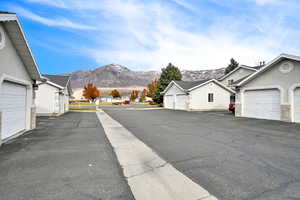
[(149, 176)]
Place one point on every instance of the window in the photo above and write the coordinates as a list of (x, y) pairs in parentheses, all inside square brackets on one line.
[(210, 97)]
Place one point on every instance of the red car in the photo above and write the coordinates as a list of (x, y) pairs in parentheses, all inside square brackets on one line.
[(126, 102), (232, 107)]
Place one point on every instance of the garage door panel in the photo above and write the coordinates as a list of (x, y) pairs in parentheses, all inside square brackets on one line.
[(169, 101), (297, 105), (181, 101), (263, 104), (13, 106)]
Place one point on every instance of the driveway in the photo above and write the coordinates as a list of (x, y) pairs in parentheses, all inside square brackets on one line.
[(67, 157), (232, 158)]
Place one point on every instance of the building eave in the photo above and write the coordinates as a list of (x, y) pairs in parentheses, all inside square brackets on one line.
[(209, 81), (236, 69), (17, 36), (54, 85), (170, 85), (269, 65)]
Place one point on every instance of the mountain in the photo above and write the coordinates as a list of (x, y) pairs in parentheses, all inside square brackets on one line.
[(115, 75)]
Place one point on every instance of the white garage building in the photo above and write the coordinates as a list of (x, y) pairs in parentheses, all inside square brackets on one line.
[(52, 97), (18, 74), (273, 92), (204, 95)]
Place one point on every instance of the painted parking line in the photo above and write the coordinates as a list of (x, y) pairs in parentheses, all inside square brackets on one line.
[(148, 175)]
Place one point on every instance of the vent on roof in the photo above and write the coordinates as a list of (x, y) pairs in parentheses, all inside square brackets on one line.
[(262, 63)]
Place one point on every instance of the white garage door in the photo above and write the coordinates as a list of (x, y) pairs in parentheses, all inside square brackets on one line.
[(181, 102), (13, 106), (297, 105), (262, 104), (169, 101)]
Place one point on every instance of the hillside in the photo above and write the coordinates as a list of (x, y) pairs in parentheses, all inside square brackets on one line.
[(114, 75)]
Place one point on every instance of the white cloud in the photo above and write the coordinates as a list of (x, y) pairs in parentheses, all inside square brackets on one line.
[(59, 22), (186, 50), (150, 34), (185, 4), (263, 2), (189, 50), (57, 3)]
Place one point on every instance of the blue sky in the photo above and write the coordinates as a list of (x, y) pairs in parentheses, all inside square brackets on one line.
[(68, 35)]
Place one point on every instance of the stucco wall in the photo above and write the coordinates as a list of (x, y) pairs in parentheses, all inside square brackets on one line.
[(274, 78), (66, 99), (10, 62), (45, 99), (199, 98), (240, 73), (12, 69)]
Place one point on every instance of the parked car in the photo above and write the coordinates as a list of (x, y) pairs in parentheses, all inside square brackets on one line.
[(232, 107), (126, 102)]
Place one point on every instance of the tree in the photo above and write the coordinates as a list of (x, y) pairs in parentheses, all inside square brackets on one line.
[(115, 94), (134, 95), (151, 88), (233, 64), (168, 74), (143, 95), (91, 92)]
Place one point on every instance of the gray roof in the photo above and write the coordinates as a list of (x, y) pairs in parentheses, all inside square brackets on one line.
[(4, 12), (258, 67), (58, 79), (186, 85), (254, 68)]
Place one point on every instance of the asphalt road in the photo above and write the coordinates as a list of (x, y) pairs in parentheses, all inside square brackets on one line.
[(233, 158), (65, 158), (127, 107)]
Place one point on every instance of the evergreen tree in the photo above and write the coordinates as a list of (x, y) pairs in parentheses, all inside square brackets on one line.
[(233, 64), (168, 74)]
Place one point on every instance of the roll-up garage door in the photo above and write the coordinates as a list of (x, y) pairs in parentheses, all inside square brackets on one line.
[(181, 102), (169, 101), (13, 106), (262, 104), (297, 105)]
